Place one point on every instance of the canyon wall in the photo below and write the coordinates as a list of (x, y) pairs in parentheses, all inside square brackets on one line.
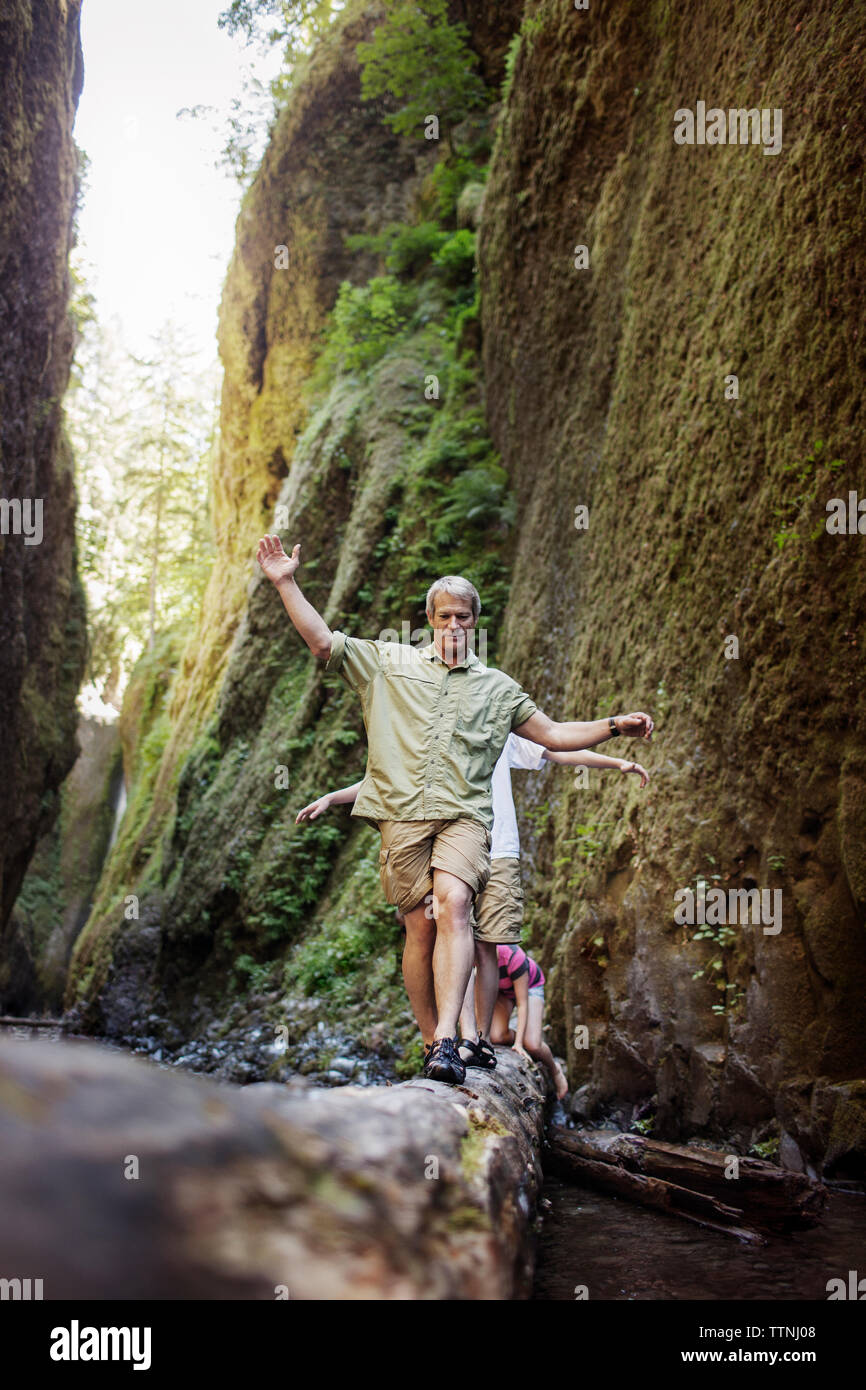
[(42, 618), (601, 379)]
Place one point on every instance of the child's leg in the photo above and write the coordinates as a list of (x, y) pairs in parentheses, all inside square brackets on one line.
[(537, 1048), (499, 1029)]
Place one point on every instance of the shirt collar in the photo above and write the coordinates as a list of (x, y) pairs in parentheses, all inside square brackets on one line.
[(431, 654)]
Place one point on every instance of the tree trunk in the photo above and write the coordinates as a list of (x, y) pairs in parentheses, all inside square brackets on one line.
[(120, 1178), (690, 1182)]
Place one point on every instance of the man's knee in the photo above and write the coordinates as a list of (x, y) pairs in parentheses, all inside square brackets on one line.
[(452, 906), (419, 923)]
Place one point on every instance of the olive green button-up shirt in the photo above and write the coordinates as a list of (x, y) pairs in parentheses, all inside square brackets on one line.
[(434, 732)]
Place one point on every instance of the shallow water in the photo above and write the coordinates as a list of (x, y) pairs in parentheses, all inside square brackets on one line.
[(622, 1251)]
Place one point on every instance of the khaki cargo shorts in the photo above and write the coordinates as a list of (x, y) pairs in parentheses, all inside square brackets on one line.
[(498, 911), (412, 849)]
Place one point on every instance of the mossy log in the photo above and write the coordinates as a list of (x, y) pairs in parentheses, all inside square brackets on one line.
[(701, 1185), (123, 1179)]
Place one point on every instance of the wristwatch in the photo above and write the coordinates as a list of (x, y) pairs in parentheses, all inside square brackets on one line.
[(614, 731)]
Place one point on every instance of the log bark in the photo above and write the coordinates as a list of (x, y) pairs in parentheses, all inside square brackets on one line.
[(120, 1178), (688, 1181)]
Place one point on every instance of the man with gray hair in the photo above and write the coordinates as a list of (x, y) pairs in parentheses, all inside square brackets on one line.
[(437, 719)]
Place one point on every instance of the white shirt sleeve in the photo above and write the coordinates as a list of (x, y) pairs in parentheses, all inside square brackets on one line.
[(522, 752)]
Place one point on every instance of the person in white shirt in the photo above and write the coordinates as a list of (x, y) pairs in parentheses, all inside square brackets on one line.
[(498, 911), (499, 908)]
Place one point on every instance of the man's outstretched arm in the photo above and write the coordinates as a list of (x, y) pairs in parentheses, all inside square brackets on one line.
[(280, 569), (575, 734)]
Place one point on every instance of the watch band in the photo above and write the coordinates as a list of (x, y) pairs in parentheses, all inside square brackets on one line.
[(614, 731)]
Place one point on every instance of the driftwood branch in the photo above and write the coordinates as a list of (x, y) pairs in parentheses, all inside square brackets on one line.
[(123, 1179), (689, 1182)]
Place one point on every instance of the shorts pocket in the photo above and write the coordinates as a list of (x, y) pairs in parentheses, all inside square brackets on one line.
[(386, 876)]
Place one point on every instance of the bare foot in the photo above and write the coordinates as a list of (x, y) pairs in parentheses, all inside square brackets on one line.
[(560, 1081)]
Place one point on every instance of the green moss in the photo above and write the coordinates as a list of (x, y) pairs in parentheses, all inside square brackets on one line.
[(473, 1145)]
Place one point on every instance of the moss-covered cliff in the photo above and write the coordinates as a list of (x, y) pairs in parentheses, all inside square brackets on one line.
[(56, 897), (42, 634), (604, 387)]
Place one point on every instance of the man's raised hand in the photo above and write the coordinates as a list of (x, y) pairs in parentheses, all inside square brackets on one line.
[(274, 561), (637, 725)]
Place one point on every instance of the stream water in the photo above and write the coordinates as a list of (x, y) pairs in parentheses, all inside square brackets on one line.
[(621, 1251)]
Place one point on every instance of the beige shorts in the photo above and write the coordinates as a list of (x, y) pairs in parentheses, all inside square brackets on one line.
[(498, 911), (412, 849)]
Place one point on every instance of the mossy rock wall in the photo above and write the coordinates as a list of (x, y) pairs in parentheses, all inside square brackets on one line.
[(606, 387), (42, 621), (56, 896)]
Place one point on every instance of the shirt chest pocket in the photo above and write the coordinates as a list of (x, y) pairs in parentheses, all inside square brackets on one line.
[(478, 719), (411, 685)]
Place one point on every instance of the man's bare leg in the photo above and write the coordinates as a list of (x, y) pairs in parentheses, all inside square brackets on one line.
[(418, 968), (454, 950)]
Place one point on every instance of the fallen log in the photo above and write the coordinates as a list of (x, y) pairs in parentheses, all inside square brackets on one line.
[(7, 1022), (754, 1197), (123, 1179)]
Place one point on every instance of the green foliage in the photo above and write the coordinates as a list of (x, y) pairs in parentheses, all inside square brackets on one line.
[(366, 321), (530, 27), (354, 956), (479, 495), (588, 845), (424, 61), (246, 974), (539, 817), (294, 23), (510, 61), (768, 1150), (291, 894), (455, 259), (448, 180), (407, 248), (722, 935), (412, 1060)]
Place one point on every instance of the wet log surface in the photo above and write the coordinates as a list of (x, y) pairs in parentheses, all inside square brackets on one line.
[(689, 1182), (123, 1179)]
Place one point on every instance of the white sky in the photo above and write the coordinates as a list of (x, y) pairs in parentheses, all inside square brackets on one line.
[(156, 230)]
